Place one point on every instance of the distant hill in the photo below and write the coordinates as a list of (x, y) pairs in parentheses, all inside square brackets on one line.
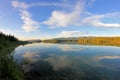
[(68, 38), (34, 41), (111, 41)]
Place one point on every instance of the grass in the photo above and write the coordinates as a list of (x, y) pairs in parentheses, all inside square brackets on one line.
[(9, 70)]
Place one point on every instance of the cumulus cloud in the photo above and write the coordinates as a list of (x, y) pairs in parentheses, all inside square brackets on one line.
[(18, 4), (25, 6), (56, 4), (28, 23), (73, 15), (109, 25), (70, 34), (64, 19), (96, 20), (74, 18)]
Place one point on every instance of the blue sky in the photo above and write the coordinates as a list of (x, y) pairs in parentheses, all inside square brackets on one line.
[(44, 19)]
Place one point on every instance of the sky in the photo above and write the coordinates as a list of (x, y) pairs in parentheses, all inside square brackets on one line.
[(45, 19)]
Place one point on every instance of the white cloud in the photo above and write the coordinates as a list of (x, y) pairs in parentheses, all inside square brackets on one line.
[(76, 17), (28, 23), (71, 34), (56, 4), (95, 20), (109, 25), (18, 4), (64, 19)]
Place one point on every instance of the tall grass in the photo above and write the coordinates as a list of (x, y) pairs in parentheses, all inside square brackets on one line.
[(9, 70)]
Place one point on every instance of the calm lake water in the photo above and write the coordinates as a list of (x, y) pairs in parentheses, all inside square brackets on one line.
[(45, 61)]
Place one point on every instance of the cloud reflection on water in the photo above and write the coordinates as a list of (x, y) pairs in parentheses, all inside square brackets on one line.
[(106, 57), (31, 56), (66, 47), (59, 62), (79, 62)]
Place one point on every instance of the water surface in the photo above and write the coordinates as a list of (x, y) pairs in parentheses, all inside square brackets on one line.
[(45, 61)]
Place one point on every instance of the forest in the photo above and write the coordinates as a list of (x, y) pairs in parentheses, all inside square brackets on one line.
[(108, 41), (9, 70)]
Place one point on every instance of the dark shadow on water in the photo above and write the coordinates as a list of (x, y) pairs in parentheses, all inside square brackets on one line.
[(43, 70)]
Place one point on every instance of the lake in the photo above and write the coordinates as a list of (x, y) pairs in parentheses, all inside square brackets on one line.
[(46, 61)]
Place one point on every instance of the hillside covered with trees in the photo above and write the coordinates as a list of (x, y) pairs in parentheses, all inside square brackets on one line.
[(108, 41), (7, 40), (9, 70)]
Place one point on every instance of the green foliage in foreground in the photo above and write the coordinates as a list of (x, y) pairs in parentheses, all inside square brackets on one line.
[(9, 70)]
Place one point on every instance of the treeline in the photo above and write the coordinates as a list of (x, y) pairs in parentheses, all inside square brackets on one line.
[(58, 41), (9, 70), (110, 41), (7, 40), (7, 37)]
